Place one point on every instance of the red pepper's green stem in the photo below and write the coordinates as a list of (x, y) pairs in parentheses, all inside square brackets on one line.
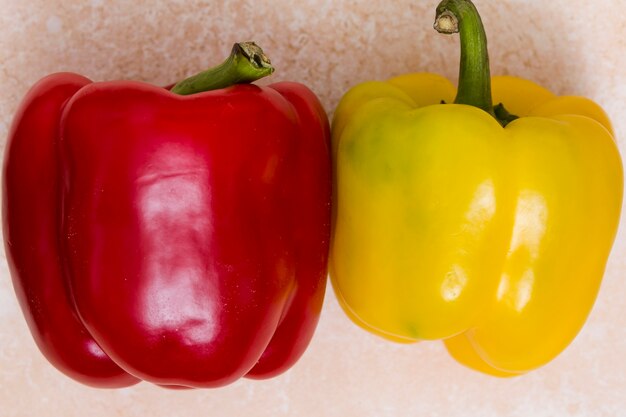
[(246, 63), (461, 16)]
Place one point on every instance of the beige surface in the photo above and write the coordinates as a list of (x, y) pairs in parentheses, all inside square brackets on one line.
[(330, 45)]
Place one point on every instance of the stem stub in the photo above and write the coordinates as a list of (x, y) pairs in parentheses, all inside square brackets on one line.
[(474, 89), (247, 63)]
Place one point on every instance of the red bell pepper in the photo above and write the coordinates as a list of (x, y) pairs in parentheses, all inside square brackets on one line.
[(177, 239)]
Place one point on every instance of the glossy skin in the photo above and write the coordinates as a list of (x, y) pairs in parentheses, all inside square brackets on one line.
[(448, 226), (180, 240)]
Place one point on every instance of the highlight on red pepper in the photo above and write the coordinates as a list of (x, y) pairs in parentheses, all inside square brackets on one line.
[(178, 237), (487, 227)]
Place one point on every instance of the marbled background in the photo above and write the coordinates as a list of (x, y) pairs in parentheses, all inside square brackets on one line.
[(570, 46)]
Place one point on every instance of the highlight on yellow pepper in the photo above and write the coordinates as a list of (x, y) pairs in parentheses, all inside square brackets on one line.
[(485, 226)]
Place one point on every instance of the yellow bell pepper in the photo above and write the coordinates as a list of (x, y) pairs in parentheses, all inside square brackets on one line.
[(464, 223)]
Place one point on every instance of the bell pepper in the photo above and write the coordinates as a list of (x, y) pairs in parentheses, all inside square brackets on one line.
[(487, 227), (178, 237)]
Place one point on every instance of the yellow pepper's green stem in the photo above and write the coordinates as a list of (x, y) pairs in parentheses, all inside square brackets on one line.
[(246, 63), (461, 16)]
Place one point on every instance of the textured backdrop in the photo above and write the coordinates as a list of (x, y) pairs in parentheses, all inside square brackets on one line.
[(570, 46)]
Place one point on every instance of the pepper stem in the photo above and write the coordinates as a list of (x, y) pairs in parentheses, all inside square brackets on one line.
[(246, 63), (461, 16)]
